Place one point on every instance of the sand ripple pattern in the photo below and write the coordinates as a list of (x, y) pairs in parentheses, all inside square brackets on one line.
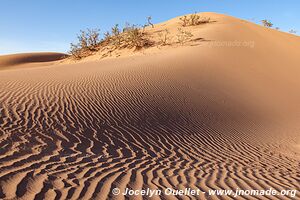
[(78, 131)]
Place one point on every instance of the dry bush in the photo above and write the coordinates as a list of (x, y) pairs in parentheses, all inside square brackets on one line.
[(134, 37), (93, 39), (149, 21), (266, 23), (130, 37), (87, 43), (107, 36), (193, 20), (127, 27), (76, 51), (184, 20), (164, 37), (116, 38), (115, 31), (292, 31), (183, 36)]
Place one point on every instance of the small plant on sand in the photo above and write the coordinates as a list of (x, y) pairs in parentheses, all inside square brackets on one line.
[(87, 43), (292, 31), (135, 38), (129, 37), (107, 36), (196, 20), (116, 37), (266, 23), (93, 38), (76, 51), (184, 20), (149, 18), (183, 36), (115, 31), (164, 37), (128, 27), (193, 20)]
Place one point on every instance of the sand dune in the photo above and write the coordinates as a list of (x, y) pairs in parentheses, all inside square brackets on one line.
[(29, 59), (205, 116)]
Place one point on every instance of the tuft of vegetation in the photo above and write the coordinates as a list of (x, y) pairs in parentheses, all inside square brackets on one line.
[(87, 43), (292, 31), (149, 18), (130, 37), (266, 23), (193, 20), (115, 36), (135, 38), (183, 36), (164, 37)]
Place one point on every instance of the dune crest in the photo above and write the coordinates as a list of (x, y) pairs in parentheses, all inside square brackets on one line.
[(204, 115)]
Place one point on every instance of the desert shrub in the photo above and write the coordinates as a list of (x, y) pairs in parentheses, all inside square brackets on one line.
[(89, 39), (129, 37), (107, 36), (292, 31), (115, 31), (116, 37), (127, 27), (266, 23), (93, 38), (183, 36), (87, 43), (164, 37), (149, 21), (184, 20), (193, 20), (134, 37), (75, 51)]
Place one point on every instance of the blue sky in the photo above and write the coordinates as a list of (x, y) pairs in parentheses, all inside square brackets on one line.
[(50, 25)]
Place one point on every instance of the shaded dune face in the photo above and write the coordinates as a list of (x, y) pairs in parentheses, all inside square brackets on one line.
[(27, 58), (186, 118)]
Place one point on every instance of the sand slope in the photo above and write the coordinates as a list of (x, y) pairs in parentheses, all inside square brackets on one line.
[(29, 59), (204, 116)]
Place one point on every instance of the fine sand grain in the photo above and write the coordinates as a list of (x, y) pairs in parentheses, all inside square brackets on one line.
[(205, 115)]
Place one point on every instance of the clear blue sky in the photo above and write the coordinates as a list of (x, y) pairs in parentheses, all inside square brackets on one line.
[(50, 25)]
